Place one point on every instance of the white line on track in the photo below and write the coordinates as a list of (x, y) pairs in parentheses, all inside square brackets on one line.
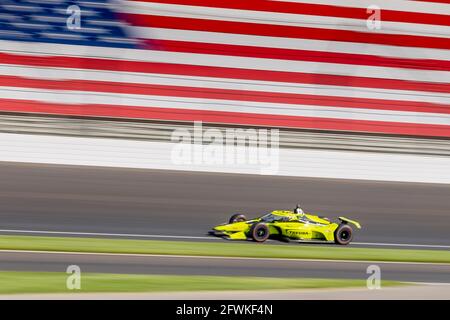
[(402, 245), (105, 234), (220, 257), (428, 283), (132, 235)]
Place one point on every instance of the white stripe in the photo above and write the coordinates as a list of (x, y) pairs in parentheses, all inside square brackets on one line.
[(290, 43), (401, 245), (133, 235), (217, 257), (80, 97), (223, 83), (284, 19), (396, 5), (428, 283), (267, 64), (130, 235)]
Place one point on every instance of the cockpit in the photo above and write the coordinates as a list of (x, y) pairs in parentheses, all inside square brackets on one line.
[(270, 217)]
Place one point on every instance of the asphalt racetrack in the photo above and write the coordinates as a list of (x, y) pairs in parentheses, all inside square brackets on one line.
[(185, 205), (184, 265), (36, 197)]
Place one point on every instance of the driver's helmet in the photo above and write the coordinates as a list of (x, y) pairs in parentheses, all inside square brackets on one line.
[(298, 210)]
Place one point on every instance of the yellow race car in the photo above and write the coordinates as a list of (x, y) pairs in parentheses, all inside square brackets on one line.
[(287, 225)]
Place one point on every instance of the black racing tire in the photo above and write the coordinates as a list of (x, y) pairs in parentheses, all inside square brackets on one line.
[(259, 232), (343, 235), (237, 218)]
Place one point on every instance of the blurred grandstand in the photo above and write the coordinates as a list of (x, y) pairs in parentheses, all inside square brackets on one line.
[(310, 65)]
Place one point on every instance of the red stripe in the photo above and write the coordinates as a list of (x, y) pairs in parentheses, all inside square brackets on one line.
[(223, 94), (316, 9), (262, 29), (438, 1), (298, 55), (220, 72), (225, 117)]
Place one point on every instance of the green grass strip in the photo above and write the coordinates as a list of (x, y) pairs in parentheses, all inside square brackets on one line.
[(221, 248), (55, 282)]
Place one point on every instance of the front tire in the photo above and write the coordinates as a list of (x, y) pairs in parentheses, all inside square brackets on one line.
[(259, 232), (237, 218), (343, 234)]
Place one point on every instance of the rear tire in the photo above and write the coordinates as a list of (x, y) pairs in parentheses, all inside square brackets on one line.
[(237, 218), (343, 234), (259, 232)]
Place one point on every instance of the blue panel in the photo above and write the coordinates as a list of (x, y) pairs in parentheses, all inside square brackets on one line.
[(46, 21)]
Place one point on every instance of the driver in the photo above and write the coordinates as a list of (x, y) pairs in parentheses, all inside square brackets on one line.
[(298, 210)]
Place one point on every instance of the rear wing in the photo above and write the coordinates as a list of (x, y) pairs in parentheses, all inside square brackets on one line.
[(346, 220)]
